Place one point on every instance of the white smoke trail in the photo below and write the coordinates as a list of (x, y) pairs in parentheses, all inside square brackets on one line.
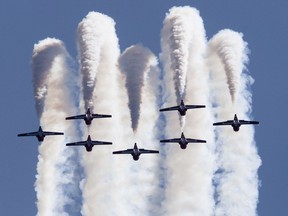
[(56, 167), (90, 44), (189, 190), (199, 123), (237, 180), (106, 182), (175, 42), (133, 63), (230, 48), (140, 67), (43, 55)]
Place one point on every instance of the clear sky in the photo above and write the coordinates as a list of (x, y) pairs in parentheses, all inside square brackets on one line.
[(22, 24)]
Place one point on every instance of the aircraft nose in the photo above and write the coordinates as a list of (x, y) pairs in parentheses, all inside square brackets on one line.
[(183, 146)]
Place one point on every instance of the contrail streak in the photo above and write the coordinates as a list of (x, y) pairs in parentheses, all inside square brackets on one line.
[(189, 189), (56, 181), (237, 179), (140, 67), (43, 56), (90, 45), (106, 181), (133, 62), (230, 49), (175, 42)]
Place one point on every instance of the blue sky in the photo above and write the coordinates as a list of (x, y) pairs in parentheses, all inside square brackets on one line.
[(263, 23)]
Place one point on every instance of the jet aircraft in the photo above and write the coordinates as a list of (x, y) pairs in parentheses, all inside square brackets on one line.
[(136, 152), (88, 143), (40, 134), (183, 141), (88, 116), (182, 108), (235, 123)]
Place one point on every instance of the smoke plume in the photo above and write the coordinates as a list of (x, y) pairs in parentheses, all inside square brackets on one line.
[(238, 161), (56, 181), (193, 196)]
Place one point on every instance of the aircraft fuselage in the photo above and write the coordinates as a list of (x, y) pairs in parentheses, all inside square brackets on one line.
[(236, 126), (88, 148), (136, 153), (183, 143), (88, 119), (135, 157), (182, 110), (40, 137), (89, 144)]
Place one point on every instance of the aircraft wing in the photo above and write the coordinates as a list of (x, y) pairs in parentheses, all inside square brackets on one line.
[(195, 140), (242, 122), (224, 123), (52, 133), (28, 134), (75, 117), (194, 106), (176, 140), (146, 151), (81, 143), (169, 108), (101, 143), (101, 116), (128, 151)]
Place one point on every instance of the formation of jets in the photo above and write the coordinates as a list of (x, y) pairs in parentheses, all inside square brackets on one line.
[(135, 151)]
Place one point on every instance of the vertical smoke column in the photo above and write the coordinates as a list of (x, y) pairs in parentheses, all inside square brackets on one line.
[(140, 68), (106, 182), (199, 123), (236, 179), (133, 62), (57, 179), (176, 36), (229, 47), (189, 189), (90, 44)]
